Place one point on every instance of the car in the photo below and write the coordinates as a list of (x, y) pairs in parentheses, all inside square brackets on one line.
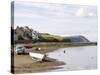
[(20, 50)]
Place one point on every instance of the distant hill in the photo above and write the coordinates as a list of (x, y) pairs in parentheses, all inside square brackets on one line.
[(26, 34), (75, 39)]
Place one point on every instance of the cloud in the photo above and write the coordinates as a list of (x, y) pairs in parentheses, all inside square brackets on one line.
[(26, 15), (92, 14), (84, 12), (50, 10), (80, 12)]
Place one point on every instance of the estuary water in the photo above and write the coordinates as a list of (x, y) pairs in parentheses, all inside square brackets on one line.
[(76, 58)]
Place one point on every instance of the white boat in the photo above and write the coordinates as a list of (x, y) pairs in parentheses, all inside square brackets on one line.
[(37, 56)]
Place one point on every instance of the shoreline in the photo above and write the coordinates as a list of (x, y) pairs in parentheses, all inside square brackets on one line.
[(24, 63), (51, 46)]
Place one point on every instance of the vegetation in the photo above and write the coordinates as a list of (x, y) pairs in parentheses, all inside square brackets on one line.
[(48, 38), (63, 44), (51, 38), (28, 35)]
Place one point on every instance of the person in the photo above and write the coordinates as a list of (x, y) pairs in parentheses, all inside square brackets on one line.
[(44, 58)]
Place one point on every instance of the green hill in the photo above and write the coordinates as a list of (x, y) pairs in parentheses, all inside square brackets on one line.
[(26, 34)]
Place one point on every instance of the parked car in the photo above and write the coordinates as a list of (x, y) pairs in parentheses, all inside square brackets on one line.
[(20, 50)]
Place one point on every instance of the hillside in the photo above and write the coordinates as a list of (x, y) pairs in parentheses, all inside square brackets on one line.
[(78, 38), (26, 34)]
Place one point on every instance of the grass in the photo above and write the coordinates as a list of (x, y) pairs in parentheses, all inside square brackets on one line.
[(49, 47), (63, 44), (52, 37)]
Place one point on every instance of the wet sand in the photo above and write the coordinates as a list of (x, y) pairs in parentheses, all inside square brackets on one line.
[(24, 64)]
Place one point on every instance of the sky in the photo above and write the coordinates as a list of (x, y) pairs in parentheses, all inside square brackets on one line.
[(57, 19)]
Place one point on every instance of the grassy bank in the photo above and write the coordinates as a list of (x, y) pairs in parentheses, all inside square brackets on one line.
[(49, 47), (62, 44)]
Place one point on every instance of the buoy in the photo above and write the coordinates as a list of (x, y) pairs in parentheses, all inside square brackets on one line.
[(64, 51)]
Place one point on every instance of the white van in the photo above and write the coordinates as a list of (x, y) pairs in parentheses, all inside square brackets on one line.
[(20, 50)]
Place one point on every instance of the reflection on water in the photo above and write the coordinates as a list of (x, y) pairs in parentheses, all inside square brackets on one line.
[(76, 58)]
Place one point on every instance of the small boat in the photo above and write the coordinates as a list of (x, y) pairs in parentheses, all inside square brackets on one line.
[(37, 56)]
